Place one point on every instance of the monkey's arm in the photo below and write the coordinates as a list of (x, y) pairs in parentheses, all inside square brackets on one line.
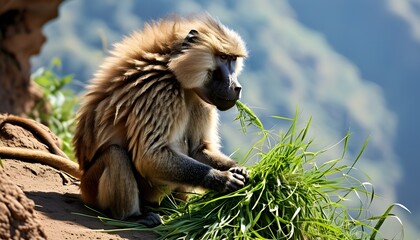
[(203, 144), (218, 160), (173, 167), (206, 154), (49, 159)]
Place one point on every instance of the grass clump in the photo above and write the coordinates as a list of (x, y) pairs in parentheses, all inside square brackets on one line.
[(288, 197)]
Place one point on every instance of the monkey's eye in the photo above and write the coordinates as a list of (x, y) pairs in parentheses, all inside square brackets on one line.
[(233, 58), (224, 57)]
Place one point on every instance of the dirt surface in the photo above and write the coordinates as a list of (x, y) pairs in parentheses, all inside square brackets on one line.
[(56, 196), (57, 203)]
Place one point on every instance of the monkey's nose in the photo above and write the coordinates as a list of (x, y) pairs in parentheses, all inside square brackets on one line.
[(237, 91), (236, 86)]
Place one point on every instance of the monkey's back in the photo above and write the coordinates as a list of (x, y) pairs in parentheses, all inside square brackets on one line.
[(124, 96)]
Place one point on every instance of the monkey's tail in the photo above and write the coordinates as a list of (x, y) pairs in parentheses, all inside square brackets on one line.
[(55, 161)]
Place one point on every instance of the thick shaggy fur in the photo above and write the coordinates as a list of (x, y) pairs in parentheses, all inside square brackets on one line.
[(143, 101)]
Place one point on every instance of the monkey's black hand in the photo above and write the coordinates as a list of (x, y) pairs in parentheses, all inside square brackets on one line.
[(242, 171), (224, 181)]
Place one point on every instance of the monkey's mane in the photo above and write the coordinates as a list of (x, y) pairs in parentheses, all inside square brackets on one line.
[(166, 34)]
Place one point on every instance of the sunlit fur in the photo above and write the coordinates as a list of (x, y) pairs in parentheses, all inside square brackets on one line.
[(142, 99)]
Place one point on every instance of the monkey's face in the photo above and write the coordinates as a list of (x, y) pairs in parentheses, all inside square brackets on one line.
[(222, 88), (209, 65)]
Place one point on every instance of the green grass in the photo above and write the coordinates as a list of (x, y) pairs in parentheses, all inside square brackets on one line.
[(290, 196)]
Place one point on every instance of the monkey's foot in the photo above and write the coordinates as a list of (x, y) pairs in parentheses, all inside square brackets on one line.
[(149, 219)]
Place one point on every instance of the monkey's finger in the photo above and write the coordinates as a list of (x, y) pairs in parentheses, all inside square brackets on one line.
[(235, 182), (236, 170), (239, 176), (246, 175), (242, 171)]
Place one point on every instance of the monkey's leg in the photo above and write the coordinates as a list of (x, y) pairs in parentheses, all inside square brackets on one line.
[(110, 185)]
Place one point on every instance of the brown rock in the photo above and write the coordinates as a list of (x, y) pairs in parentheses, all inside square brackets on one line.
[(21, 37)]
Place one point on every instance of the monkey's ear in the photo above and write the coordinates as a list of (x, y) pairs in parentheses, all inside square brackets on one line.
[(191, 38)]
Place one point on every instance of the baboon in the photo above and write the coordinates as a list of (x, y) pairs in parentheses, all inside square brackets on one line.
[(147, 124)]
